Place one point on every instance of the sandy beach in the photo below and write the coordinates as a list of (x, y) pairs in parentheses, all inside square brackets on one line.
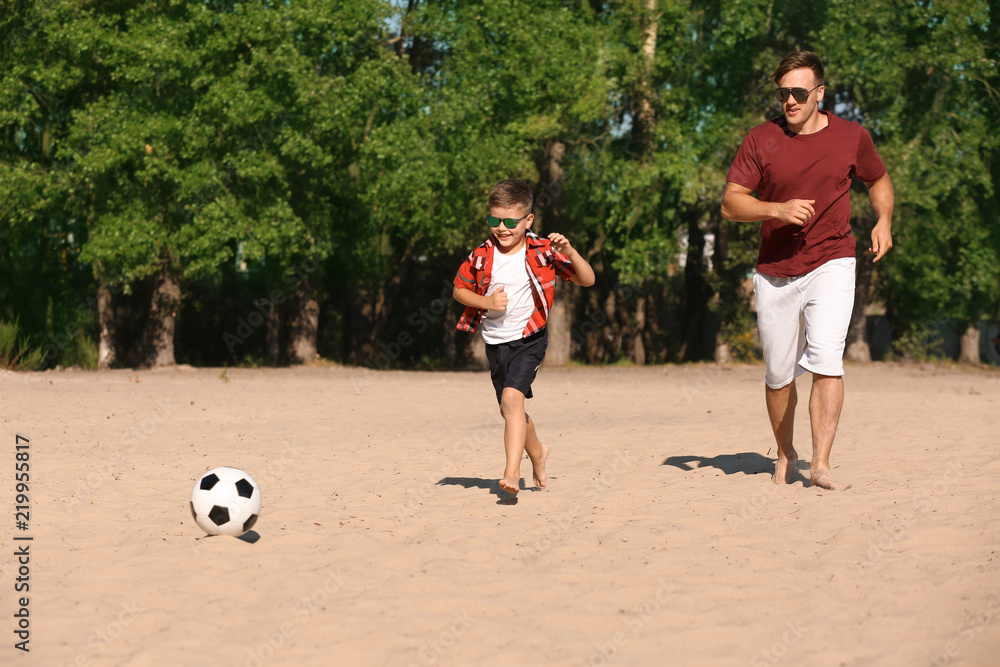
[(384, 538)]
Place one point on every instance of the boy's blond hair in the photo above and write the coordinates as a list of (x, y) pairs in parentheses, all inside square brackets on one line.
[(512, 193)]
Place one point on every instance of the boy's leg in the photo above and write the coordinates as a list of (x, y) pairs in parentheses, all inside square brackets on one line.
[(537, 451), (514, 434), (512, 380)]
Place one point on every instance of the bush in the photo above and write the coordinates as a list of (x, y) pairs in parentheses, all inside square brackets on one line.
[(919, 343), (15, 355)]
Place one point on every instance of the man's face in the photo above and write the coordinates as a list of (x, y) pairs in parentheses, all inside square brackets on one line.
[(798, 113), (511, 239)]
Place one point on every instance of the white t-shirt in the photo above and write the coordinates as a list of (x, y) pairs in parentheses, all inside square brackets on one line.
[(503, 326)]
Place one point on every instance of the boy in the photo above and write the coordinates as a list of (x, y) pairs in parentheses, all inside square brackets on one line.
[(508, 284)]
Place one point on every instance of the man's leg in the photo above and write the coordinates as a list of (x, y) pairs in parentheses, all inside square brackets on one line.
[(514, 433), (829, 305), (825, 403), (781, 411), (782, 338)]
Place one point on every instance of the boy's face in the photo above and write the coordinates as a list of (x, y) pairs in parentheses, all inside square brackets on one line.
[(511, 240)]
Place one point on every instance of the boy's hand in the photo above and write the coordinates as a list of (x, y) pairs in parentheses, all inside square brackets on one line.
[(561, 243), (497, 300)]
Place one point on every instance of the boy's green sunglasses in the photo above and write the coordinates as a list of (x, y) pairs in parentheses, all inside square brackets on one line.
[(509, 223)]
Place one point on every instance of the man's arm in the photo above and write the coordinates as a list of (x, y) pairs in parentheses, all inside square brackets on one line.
[(883, 201), (741, 206)]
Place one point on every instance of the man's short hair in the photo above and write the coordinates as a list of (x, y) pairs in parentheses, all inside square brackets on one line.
[(800, 60), (512, 193)]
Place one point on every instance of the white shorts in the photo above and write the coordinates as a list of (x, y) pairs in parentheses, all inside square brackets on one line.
[(803, 321)]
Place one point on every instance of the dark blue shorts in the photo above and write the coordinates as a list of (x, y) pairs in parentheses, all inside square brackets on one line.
[(514, 364)]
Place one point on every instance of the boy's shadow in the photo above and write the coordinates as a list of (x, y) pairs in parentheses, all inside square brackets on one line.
[(748, 463), (493, 485)]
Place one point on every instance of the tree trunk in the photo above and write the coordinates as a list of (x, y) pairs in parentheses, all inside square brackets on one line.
[(106, 353), (638, 341), (477, 350), (158, 335), (359, 348), (722, 354), (560, 329), (548, 204), (592, 336), (858, 350), (646, 115), (698, 340), (303, 327), (969, 353), (272, 344)]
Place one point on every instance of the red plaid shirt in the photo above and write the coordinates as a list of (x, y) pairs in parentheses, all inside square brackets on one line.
[(544, 264)]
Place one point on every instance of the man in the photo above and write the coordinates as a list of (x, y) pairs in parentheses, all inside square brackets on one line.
[(801, 165)]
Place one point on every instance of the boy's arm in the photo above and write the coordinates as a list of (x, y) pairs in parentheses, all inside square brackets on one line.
[(584, 275), (495, 301)]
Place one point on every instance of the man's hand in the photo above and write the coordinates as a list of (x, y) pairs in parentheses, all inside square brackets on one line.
[(881, 240), (796, 211), (883, 200), (497, 300)]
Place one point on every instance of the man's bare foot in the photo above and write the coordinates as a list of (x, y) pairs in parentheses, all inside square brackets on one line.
[(538, 467), (510, 483), (824, 479), (786, 470)]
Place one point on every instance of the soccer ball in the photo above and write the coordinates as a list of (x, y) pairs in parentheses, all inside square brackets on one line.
[(225, 501)]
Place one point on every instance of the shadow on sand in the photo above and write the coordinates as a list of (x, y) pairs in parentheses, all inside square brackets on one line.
[(250, 537), (748, 463), (493, 485)]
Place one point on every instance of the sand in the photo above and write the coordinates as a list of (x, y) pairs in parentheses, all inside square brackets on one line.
[(384, 539)]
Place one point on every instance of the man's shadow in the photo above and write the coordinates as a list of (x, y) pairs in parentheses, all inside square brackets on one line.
[(748, 463), (493, 485)]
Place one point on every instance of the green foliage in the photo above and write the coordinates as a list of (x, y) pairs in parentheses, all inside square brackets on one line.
[(928, 91), (230, 142), (919, 343), (81, 351), (15, 353)]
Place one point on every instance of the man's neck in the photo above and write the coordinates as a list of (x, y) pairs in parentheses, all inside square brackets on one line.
[(818, 122)]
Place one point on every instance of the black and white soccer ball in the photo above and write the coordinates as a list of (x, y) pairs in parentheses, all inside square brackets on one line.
[(225, 501)]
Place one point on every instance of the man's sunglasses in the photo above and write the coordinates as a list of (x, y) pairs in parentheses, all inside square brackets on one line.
[(509, 223), (800, 94)]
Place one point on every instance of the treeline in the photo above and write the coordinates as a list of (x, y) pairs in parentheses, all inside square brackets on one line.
[(222, 182)]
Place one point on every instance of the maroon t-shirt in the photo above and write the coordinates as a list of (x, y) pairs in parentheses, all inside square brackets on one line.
[(781, 165)]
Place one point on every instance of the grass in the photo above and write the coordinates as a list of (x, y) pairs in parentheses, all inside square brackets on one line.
[(15, 354)]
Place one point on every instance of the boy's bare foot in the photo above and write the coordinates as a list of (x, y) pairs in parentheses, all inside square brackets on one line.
[(785, 470), (538, 467), (510, 483), (824, 479)]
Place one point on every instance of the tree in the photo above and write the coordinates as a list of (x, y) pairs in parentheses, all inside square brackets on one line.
[(928, 91)]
